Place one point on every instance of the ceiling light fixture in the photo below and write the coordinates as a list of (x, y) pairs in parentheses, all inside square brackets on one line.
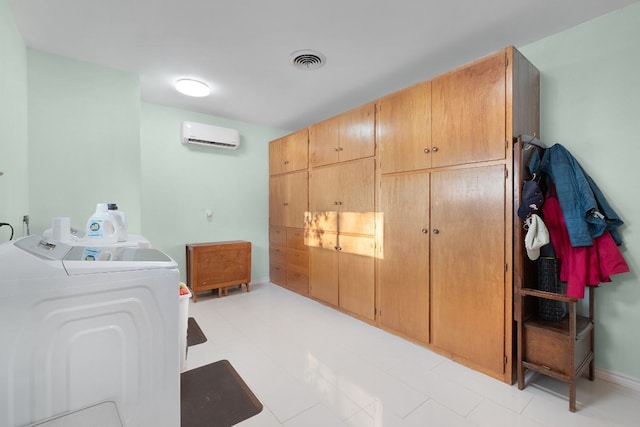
[(192, 87)]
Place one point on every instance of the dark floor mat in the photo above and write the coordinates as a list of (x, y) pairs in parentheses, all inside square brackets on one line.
[(214, 395), (194, 333)]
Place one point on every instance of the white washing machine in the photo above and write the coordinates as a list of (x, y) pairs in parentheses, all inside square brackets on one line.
[(77, 334)]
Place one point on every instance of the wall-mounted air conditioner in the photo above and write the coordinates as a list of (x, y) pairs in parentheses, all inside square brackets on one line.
[(210, 136)]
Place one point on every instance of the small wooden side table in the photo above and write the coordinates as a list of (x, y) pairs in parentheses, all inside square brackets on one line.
[(218, 265)]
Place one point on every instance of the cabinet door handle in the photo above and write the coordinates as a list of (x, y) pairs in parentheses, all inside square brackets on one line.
[(434, 148), (336, 149), (426, 150), (436, 231), (285, 203), (286, 162), (424, 231), (337, 248)]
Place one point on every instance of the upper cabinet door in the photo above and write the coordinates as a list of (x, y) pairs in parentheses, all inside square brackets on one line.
[(357, 133), (468, 113), (324, 142), (348, 136), (289, 153), (404, 129)]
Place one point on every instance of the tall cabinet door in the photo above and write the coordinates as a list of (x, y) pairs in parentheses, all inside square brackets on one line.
[(296, 199), (403, 125), (403, 265), (468, 264), (356, 199), (276, 200), (468, 113)]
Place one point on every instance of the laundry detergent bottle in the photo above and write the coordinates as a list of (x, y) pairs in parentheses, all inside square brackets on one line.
[(121, 220), (102, 227)]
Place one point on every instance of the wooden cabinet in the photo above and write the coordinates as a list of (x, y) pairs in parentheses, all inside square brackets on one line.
[(403, 129), (433, 229), (469, 113), (343, 279), (218, 265), (288, 199), (340, 233), (424, 245), (345, 137), (289, 153), (288, 203), (446, 267)]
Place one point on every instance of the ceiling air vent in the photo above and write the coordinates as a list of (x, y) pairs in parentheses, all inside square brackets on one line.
[(307, 59)]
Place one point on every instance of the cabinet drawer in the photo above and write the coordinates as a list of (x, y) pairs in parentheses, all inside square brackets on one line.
[(277, 274), (295, 238), (278, 235), (298, 282), (223, 273), (277, 255), (298, 260), (551, 349), (220, 259)]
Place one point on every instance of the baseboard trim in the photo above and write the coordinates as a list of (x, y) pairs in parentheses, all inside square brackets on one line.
[(618, 379), (260, 281)]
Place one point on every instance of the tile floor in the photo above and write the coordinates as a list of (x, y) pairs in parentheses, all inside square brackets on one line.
[(313, 366)]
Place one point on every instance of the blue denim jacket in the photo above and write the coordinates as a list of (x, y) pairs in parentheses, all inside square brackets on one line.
[(586, 211)]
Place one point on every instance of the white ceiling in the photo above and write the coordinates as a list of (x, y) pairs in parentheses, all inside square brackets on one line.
[(241, 48)]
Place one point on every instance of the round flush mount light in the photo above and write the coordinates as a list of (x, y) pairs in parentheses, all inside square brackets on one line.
[(192, 87), (307, 59)]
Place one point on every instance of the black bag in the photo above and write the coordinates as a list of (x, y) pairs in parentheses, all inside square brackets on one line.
[(549, 280)]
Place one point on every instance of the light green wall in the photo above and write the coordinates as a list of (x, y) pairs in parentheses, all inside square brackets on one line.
[(590, 103), (91, 140), (181, 182), (13, 126), (84, 143)]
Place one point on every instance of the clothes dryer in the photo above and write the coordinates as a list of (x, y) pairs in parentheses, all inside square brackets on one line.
[(76, 333)]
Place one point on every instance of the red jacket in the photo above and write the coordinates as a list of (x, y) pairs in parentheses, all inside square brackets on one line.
[(585, 265)]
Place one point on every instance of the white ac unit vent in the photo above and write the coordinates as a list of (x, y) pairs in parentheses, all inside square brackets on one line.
[(210, 136)]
